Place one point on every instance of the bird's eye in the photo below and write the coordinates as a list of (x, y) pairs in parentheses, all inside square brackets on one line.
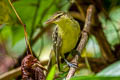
[(58, 16)]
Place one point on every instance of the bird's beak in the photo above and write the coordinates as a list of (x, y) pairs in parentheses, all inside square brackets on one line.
[(50, 21)]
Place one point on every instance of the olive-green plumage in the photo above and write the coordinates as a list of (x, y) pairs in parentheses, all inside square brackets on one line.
[(66, 34)]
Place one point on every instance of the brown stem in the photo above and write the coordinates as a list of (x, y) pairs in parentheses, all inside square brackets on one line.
[(11, 74), (45, 29), (97, 31), (80, 9), (100, 7), (83, 41), (77, 15), (24, 26)]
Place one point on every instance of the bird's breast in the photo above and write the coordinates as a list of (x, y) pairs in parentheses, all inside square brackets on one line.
[(69, 38)]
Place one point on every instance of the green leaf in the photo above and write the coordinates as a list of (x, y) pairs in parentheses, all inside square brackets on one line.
[(17, 34), (26, 11), (51, 73), (111, 26), (112, 70), (19, 47), (94, 78), (6, 32), (110, 73)]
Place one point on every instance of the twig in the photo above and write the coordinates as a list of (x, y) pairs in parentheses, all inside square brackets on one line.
[(83, 41), (77, 15), (11, 74), (25, 32), (45, 29), (80, 9), (98, 33), (100, 7)]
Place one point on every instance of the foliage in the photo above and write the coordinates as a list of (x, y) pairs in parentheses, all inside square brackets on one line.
[(51, 73), (94, 78), (34, 13)]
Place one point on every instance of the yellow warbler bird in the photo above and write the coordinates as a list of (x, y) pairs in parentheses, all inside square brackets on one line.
[(65, 35)]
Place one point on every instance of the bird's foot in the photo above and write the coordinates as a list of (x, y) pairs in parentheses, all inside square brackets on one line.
[(71, 64)]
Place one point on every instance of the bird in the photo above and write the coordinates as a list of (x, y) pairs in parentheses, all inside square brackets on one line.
[(65, 36)]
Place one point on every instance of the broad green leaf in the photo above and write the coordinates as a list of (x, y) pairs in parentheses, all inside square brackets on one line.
[(19, 47), (6, 32), (51, 73), (94, 78), (92, 48), (112, 70), (17, 34), (26, 11), (111, 26)]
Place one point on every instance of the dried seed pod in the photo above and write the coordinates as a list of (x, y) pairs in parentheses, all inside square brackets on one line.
[(31, 69), (39, 75)]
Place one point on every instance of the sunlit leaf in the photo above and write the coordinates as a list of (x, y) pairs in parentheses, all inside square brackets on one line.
[(51, 73), (94, 78), (112, 70), (111, 26)]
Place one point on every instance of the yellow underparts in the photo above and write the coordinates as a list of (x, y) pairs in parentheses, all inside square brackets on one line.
[(69, 33)]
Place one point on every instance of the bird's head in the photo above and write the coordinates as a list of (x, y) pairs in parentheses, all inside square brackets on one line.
[(58, 17)]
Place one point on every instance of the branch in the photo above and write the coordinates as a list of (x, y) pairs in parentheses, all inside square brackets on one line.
[(80, 9), (77, 15), (98, 33), (83, 41), (11, 74)]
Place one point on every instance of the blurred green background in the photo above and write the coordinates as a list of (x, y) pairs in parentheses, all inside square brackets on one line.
[(34, 13)]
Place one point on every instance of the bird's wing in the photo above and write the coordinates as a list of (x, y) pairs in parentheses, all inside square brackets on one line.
[(56, 46)]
